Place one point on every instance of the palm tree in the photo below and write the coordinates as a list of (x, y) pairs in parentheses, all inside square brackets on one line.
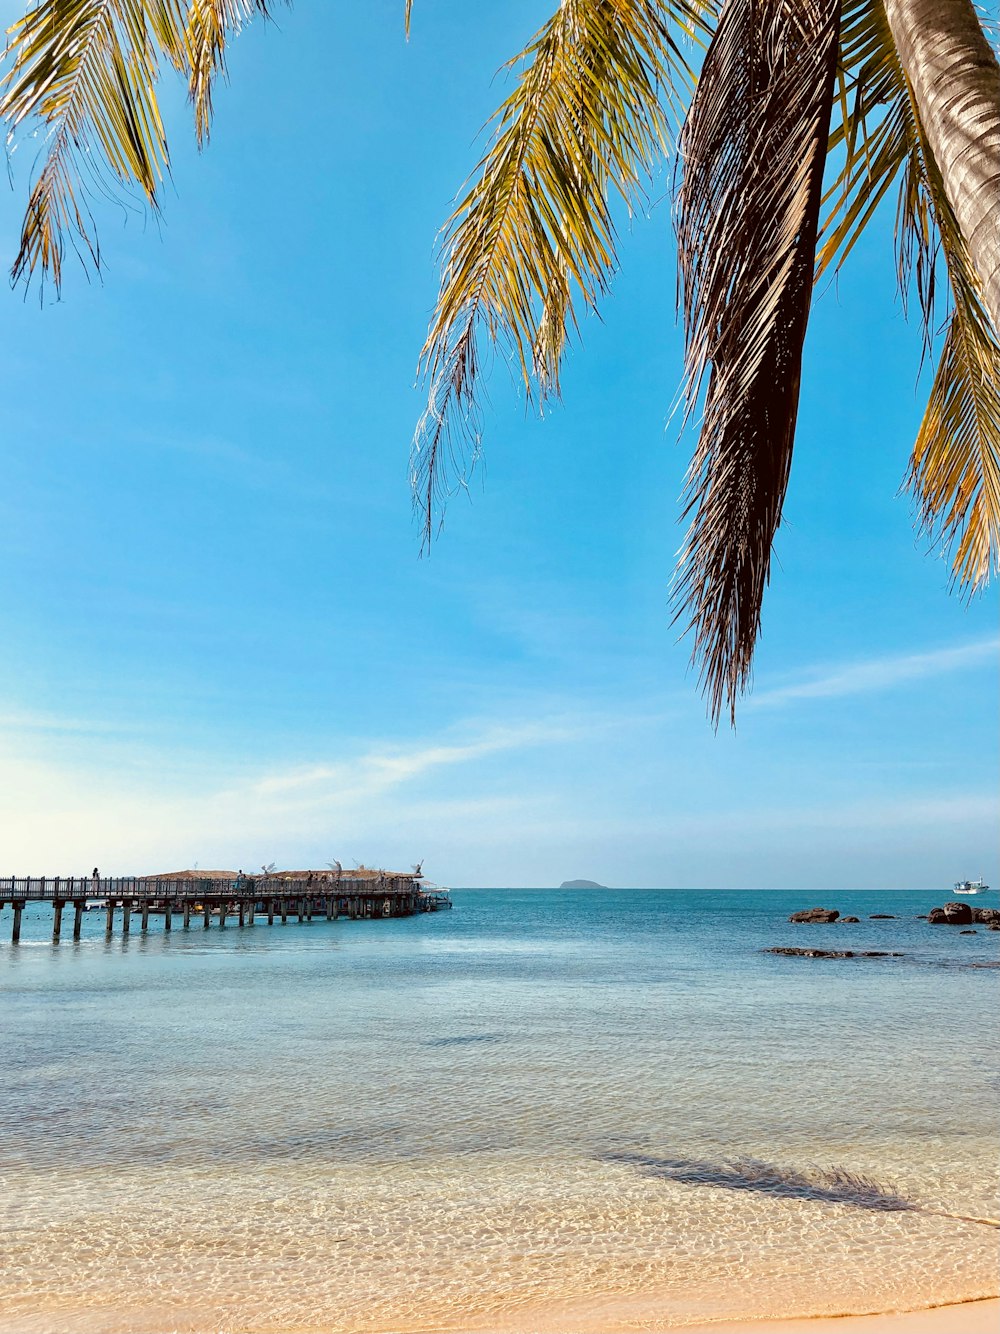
[(801, 118), (874, 94)]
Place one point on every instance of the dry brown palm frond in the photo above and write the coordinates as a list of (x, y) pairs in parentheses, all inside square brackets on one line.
[(955, 467), (753, 149), (86, 73), (533, 237)]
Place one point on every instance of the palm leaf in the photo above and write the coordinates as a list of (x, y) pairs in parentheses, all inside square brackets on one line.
[(533, 237), (955, 467), (86, 71), (753, 150), (211, 24)]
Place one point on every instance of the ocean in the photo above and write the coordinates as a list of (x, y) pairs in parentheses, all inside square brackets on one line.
[(544, 1110)]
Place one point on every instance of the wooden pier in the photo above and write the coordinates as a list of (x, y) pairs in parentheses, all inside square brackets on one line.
[(244, 900)]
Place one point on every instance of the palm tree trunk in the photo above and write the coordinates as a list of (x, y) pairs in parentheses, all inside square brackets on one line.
[(955, 78)]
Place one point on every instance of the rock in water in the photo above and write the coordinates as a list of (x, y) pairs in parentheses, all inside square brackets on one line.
[(850, 919), (833, 954), (815, 915), (952, 914)]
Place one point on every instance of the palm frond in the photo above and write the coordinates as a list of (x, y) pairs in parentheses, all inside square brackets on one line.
[(86, 73), (753, 150), (86, 69), (211, 24), (533, 237), (879, 140), (955, 467)]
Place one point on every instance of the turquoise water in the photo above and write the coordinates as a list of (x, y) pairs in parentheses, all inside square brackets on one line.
[(543, 1110)]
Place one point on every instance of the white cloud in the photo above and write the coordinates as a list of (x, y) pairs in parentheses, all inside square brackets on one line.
[(138, 810), (380, 770), (880, 673), (640, 795)]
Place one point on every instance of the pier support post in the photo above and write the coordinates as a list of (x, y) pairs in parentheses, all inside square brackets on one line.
[(126, 916), (284, 911), (270, 912), (187, 913), (109, 925), (208, 914), (56, 920), (166, 915), (145, 914), (15, 935), (251, 909), (241, 912), (329, 910), (222, 915), (77, 918)]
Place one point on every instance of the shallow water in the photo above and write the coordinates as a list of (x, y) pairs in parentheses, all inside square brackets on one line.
[(538, 1106)]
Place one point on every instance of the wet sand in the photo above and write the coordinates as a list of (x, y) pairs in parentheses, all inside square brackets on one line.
[(967, 1318), (631, 1316)]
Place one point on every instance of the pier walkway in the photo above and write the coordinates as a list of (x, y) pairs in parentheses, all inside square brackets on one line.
[(244, 899)]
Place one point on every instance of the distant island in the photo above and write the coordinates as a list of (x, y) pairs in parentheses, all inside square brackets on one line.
[(581, 884)]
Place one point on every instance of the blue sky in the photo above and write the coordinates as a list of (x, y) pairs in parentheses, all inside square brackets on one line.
[(220, 645)]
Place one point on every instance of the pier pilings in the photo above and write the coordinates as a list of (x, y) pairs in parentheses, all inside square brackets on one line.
[(244, 898)]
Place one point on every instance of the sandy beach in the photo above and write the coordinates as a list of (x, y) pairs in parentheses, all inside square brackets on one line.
[(616, 1317), (982, 1317)]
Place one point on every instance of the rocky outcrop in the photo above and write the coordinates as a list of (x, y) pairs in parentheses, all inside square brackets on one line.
[(882, 916), (833, 954), (850, 919), (986, 916), (952, 914), (815, 915), (969, 931)]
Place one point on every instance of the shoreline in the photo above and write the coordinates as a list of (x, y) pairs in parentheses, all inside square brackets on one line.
[(979, 1315), (976, 1315)]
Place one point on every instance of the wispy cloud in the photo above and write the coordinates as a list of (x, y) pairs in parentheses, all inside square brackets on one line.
[(379, 770), (22, 720), (861, 678)]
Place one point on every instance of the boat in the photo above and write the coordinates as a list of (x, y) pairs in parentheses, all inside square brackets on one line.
[(971, 886)]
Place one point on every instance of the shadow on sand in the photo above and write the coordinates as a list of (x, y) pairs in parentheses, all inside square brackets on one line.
[(837, 1186)]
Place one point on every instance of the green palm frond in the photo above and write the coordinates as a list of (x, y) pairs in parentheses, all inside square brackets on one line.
[(955, 467), (86, 73), (533, 237), (753, 151)]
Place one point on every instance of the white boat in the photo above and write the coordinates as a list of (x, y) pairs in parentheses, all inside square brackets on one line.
[(970, 886)]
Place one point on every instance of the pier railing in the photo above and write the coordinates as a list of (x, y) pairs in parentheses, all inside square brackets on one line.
[(66, 889), (276, 897)]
